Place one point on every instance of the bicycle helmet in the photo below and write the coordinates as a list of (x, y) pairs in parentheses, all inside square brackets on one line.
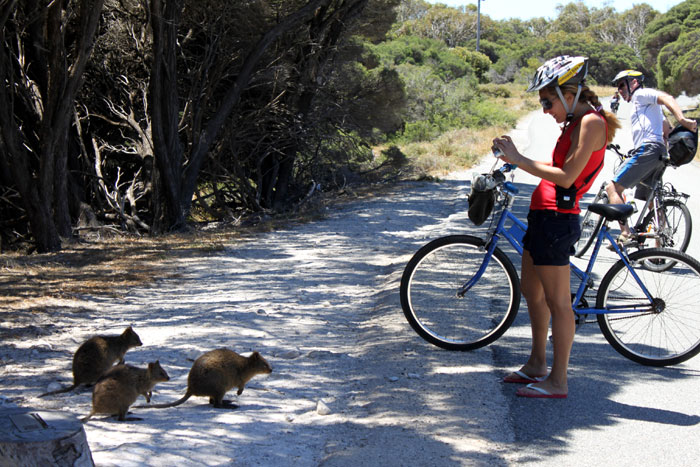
[(558, 71), (627, 75), (563, 69)]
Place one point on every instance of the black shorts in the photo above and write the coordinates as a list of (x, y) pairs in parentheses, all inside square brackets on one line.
[(550, 237)]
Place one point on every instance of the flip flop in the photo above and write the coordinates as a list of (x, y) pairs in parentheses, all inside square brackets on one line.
[(522, 378), (539, 393)]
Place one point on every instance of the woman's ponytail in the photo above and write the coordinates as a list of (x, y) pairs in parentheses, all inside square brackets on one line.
[(611, 119)]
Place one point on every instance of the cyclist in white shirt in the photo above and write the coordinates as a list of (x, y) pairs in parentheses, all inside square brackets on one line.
[(649, 128)]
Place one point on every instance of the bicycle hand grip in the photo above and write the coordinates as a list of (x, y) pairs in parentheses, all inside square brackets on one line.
[(511, 188)]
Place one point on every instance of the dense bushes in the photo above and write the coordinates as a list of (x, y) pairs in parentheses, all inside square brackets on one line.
[(441, 86), (671, 48), (240, 106)]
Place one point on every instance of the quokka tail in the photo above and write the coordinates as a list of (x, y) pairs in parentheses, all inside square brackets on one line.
[(163, 406)]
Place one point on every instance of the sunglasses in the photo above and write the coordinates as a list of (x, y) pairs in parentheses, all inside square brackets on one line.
[(622, 85), (546, 104)]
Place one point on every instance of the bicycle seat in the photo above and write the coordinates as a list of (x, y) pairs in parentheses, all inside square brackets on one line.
[(612, 212)]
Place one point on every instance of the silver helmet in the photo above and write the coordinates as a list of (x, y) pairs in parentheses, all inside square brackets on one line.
[(560, 70)]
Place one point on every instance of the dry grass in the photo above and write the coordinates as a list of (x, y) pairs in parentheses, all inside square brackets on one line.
[(604, 91), (100, 267), (461, 149), (454, 150), (111, 267)]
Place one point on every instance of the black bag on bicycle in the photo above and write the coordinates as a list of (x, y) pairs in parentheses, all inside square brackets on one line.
[(481, 198), (682, 145)]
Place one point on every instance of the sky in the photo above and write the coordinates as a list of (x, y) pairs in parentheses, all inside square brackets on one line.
[(526, 9)]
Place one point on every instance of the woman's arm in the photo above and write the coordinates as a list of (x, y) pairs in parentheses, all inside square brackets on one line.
[(590, 136)]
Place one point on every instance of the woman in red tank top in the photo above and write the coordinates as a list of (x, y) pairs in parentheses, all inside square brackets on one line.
[(553, 224)]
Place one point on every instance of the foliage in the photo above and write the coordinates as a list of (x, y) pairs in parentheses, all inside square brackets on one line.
[(495, 90), (605, 59), (441, 86), (250, 106), (478, 61), (671, 46), (450, 25), (44, 51)]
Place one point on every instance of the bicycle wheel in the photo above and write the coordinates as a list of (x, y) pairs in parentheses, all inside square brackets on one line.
[(429, 293), (590, 225), (674, 225), (665, 331)]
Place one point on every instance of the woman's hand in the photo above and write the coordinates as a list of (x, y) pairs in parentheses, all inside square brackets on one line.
[(509, 152)]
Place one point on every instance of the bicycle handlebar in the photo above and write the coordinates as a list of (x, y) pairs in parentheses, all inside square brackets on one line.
[(504, 169), (500, 178), (616, 148)]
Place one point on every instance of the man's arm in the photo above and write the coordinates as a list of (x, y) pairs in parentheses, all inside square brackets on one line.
[(672, 105)]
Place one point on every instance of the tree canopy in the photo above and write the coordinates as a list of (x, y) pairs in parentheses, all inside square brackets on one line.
[(671, 48), (146, 117)]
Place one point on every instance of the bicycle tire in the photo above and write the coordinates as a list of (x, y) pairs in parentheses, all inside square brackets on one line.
[(667, 335), (590, 225), (429, 300), (676, 217)]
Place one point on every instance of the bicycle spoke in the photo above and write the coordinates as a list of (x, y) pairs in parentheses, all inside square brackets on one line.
[(670, 332), (432, 306)]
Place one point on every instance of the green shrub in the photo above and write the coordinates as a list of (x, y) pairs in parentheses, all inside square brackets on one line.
[(480, 63), (495, 90)]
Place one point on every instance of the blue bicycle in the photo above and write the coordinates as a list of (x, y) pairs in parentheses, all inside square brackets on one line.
[(462, 292)]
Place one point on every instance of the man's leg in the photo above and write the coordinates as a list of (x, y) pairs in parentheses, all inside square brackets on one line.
[(614, 191)]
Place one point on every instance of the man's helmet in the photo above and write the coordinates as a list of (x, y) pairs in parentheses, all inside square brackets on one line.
[(628, 75), (560, 70)]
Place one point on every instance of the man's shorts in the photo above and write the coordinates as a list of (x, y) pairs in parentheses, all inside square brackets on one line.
[(550, 237), (643, 163)]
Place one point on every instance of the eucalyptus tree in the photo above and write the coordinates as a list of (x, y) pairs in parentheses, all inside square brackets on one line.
[(44, 49), (624, 28), (670, 46), (187, 129)]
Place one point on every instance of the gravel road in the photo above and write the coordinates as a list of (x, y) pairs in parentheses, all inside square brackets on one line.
[(352, 383)]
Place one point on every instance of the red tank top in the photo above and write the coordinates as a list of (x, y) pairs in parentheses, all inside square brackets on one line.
[(544, 196)]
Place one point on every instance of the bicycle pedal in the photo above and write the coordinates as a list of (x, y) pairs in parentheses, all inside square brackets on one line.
[(580, 321)]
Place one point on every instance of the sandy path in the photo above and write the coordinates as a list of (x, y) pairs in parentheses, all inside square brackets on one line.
[(320, 302)]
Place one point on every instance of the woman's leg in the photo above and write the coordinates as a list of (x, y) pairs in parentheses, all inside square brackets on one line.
[(533, 291), (555, 283)]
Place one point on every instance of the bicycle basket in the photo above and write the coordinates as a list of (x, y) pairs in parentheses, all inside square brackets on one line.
[(481, 198), (682, 145)]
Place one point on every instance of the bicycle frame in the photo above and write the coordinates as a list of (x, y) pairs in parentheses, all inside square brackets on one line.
[(657, 194), (653, 202), (514, 235)]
